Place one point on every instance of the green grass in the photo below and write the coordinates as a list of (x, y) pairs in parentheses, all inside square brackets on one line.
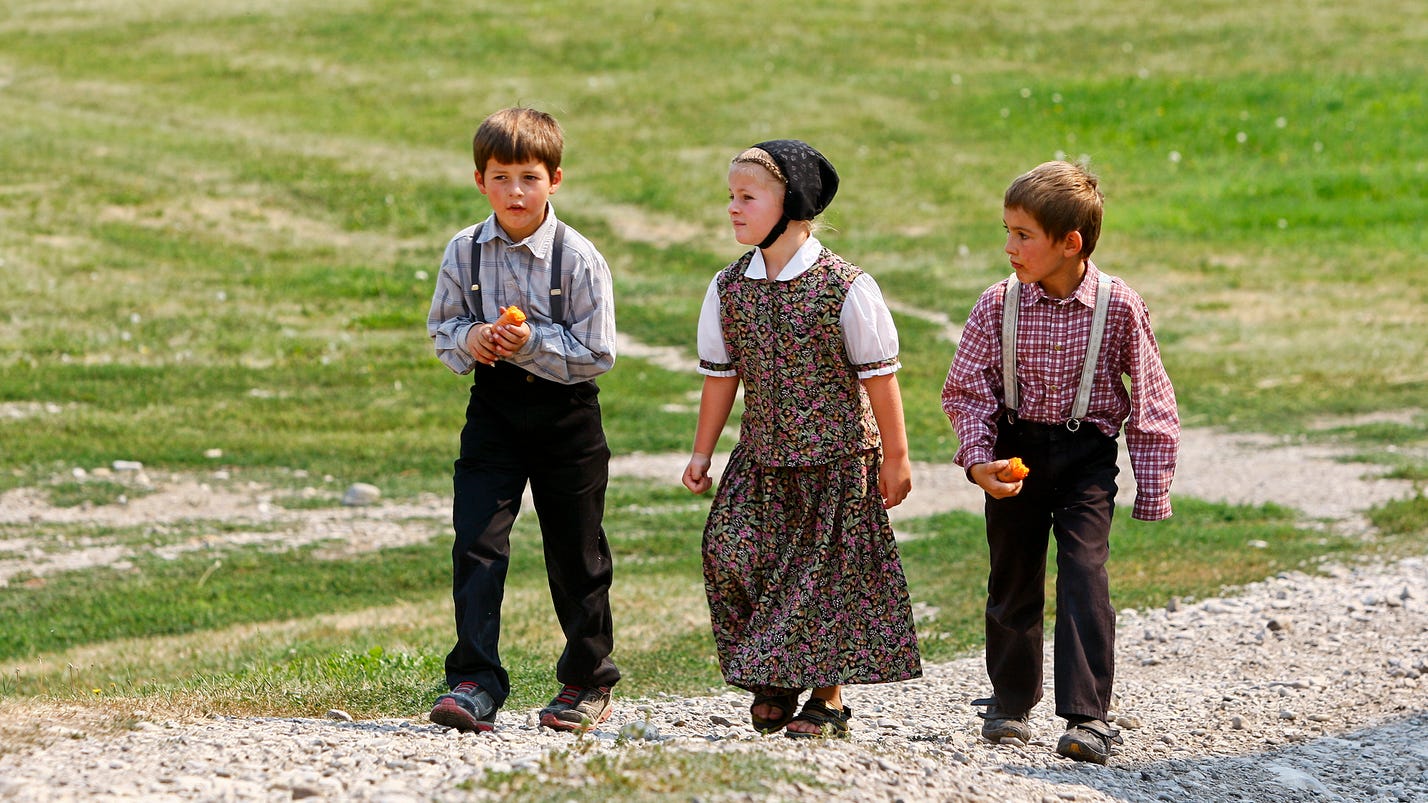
[(220, 226)]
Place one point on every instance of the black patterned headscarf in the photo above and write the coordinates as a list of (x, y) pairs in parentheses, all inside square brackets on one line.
[(809, 179)]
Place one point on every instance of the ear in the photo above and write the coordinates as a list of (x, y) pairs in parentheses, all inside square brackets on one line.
[(1073, 243), (555, 179), (480, 182)]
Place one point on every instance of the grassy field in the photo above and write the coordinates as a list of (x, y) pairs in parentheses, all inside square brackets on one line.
[(220, 225)]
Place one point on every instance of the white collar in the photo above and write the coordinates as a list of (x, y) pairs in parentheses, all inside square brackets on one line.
[(801, 261)]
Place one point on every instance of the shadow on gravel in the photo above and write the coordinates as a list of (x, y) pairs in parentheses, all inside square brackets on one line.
[(1388, 762)]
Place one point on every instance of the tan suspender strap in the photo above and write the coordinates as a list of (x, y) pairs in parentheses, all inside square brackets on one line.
[(1011, 308), (1093, 352)]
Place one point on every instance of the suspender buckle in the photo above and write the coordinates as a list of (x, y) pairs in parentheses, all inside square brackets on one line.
[(1073, 424)]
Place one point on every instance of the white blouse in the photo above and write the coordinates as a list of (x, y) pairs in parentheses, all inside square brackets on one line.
[(869, 335)]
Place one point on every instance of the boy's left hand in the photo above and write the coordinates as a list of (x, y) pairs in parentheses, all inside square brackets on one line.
[(506, 339)]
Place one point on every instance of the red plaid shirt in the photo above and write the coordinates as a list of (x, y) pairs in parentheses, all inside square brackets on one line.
[(1052, 335)]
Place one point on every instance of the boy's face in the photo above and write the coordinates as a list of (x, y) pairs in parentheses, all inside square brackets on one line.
[(518, 193), (755, 202), (1035, 257)]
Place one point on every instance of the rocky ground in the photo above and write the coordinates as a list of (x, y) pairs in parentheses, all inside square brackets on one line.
[(1299, 688)]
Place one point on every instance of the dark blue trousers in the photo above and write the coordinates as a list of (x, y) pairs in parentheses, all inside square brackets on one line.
[(521, 429)]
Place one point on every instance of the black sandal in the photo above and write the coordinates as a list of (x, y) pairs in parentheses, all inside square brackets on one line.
[(831, 723), (786, 703)]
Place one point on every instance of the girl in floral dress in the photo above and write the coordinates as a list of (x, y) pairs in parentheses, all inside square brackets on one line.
[(805, 586)]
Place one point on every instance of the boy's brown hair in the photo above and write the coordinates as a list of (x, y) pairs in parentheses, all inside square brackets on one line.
[(516, 135), (1062, 197)]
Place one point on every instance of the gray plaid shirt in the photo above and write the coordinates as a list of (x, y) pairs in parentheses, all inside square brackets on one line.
[(519, 273)]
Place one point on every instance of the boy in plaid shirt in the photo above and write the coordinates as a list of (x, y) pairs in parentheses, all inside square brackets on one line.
[(1052, 215)]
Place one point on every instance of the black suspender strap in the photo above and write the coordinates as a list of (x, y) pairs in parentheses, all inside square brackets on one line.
[(557, 254)]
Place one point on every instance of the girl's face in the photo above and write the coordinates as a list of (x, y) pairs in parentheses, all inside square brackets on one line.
[(755, 202)]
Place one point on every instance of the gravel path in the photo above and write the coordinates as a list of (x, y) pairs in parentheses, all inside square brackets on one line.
[(1299, 688)]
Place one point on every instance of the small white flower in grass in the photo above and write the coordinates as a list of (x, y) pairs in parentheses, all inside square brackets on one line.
[(220, 296), (421, 275), (1282, 223), (1280, 122), (1242, 137), (1175, 157), (1025, 92), (1318, 147), (1059, 156), (956, 79), (1056, 97), (134, 318), (1006, 113)]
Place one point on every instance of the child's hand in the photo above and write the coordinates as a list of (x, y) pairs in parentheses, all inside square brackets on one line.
[(508, 333), (985, 475), (696, 474), (480, 344), (894, 482)]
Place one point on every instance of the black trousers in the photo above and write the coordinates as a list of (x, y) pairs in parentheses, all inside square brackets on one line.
[(1070, 494), (520, 429)]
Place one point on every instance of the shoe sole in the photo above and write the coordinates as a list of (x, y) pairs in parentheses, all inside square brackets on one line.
[(451, 715), (1010, 736), (1076, 751), (550, 719)]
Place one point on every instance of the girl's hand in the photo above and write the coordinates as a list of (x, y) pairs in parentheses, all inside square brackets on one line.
[(696, 474), (985, 475), (894, 482)]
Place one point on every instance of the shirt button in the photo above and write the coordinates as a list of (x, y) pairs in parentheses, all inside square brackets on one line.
[(530, 378)]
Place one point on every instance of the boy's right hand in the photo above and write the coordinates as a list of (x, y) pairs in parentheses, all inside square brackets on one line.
[(696, 474), (985, 475), (480, 344)]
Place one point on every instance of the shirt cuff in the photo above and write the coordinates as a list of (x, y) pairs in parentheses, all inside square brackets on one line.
[(1151, 507)]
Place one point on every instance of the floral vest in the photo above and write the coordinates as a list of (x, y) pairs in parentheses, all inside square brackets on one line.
[(803, 402)]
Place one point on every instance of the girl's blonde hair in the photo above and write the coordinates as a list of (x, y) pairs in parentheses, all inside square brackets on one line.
[(760, 157)]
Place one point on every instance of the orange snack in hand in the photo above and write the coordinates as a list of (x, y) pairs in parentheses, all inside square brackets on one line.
[(512, 316), (1014, 472)]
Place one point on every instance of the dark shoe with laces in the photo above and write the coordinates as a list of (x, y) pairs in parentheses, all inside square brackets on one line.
[(1001, 726), (468, 707), (1089, 741), (578, 708)]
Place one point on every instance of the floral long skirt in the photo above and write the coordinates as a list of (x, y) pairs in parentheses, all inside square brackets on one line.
[(804, 581)]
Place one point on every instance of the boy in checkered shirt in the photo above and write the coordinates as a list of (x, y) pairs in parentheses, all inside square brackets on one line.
[(1064, 427)]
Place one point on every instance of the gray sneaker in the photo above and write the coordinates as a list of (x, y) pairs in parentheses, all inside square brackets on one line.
[(467, 708), (1089, 741), (1000, 726), (578, 708)]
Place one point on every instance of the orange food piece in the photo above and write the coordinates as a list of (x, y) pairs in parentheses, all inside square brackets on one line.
[(512, 316), (1014, 472)]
